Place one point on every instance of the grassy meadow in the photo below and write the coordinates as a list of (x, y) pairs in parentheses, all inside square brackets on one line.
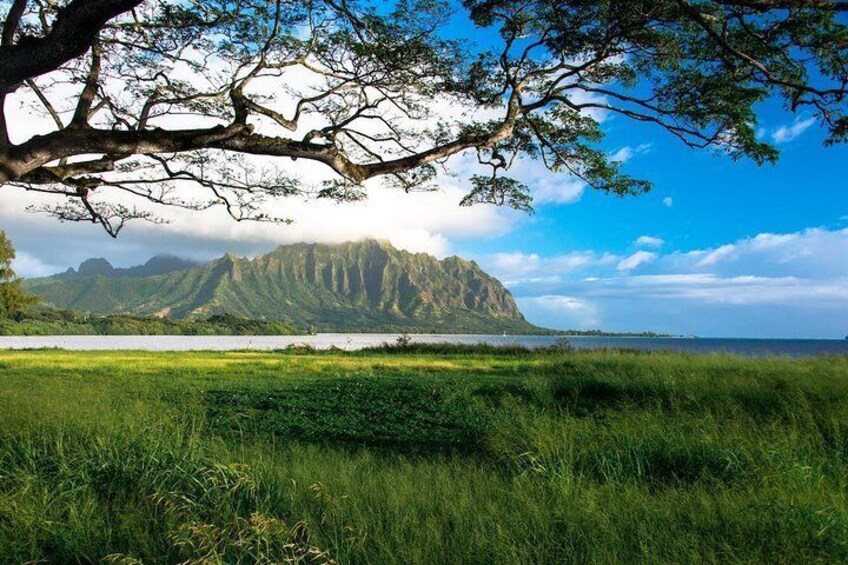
[(425, 456)]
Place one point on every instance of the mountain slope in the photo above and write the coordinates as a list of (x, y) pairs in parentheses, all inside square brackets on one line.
[(361, 286)]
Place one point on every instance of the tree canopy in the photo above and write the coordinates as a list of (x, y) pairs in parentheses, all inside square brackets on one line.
[(163, 102), (13, 300)]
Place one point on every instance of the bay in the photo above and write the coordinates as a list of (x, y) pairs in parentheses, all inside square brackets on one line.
[(756, 347)]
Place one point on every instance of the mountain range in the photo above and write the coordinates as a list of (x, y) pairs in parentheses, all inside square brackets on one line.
[(365, 286)]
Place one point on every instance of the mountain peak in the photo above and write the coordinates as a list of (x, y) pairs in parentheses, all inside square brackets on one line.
[(357, 243), (95, 266), (161, 258)]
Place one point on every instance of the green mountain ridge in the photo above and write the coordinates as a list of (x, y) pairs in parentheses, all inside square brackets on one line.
[(361, 286), (158, 265)]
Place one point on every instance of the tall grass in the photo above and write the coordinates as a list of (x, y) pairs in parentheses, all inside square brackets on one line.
[(561, 457)]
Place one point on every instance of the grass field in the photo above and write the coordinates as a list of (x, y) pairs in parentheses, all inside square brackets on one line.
[(455, 457)]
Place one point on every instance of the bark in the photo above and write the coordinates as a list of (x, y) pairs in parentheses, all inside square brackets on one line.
[(23, 162)]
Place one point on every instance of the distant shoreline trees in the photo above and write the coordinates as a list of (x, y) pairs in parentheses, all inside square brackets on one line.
[(13, 300)]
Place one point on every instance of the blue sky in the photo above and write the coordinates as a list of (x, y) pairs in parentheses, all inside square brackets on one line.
[(718, 248), (701, 202), (714, 200)]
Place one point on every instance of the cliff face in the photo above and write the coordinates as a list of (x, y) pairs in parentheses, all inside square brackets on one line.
[(361, 286)]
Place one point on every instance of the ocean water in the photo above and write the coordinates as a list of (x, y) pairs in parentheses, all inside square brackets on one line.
[(757, 347)]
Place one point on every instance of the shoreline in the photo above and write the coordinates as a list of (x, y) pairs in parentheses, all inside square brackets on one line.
[(453, 342)]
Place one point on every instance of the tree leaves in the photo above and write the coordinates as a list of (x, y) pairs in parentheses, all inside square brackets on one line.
[(386, 90)]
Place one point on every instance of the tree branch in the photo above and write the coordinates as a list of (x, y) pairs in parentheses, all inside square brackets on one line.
[(726, 46), (12, 21), (89, 91), (73, 32)]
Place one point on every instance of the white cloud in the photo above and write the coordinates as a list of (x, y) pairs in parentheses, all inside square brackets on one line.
[(430, 222), (417, 222), (622, 155), (562, 311), (557, 190), (520, 268), (649, 241), (515, 263), (785, 134), (26, 265), (709, 288), (714, 256), (627, 152), (811, 253), (636, 260), (668, 201), (579, 97), (546, 187), (776, 240)]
